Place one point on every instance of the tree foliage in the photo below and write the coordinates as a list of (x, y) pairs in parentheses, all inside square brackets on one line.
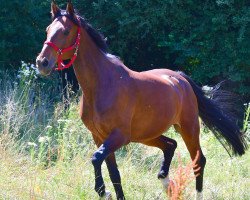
[(22, 30), (208, 39)]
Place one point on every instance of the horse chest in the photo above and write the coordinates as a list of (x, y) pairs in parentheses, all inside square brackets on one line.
[(99, 118)]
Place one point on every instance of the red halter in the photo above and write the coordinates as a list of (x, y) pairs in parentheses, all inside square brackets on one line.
[(60, 64)]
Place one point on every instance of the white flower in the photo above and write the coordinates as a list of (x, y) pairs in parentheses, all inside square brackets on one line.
[(32, 144), (43, 139)]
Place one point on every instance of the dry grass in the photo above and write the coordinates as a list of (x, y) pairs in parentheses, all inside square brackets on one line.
[(183, 175)]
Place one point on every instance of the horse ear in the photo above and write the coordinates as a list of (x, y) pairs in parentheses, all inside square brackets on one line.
[(70, 8), (54, 9)]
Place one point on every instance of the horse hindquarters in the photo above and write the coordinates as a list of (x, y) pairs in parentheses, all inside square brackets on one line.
[(189, 128)]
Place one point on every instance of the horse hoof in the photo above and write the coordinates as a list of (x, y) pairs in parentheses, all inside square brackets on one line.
[(165, 182), (106, 196), (199, 196)]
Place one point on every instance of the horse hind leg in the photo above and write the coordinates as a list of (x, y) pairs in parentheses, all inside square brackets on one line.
[(190, 133), (168, 146)]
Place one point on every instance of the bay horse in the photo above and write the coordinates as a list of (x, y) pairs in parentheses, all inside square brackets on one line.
[(120, 106)]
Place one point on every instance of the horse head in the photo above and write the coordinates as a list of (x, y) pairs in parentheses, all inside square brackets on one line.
[(63, 39)]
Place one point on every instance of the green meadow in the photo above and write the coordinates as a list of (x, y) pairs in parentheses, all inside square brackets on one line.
[(45, 152)]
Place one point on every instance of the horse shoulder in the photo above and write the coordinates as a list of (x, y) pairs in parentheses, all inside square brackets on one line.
[(114, 109)]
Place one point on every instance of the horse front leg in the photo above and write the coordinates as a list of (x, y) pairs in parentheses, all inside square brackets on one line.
[(114, 141), (115, 176)]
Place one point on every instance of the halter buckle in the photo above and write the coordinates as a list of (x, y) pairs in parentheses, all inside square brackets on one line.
[(59, 52)]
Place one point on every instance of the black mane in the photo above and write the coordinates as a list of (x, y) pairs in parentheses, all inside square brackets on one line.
[(97, 37)]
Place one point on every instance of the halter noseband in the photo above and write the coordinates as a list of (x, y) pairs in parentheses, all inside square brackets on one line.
[(60, 64)]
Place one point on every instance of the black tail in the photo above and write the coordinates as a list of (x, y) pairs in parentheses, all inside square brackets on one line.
[(218, 121)]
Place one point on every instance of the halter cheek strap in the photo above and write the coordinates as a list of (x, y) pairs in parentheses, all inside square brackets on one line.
[(75, 46)]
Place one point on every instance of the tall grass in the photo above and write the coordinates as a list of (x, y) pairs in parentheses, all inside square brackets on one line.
[(45, 151)]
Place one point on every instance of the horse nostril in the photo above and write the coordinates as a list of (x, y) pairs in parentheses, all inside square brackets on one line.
[(45, 62)]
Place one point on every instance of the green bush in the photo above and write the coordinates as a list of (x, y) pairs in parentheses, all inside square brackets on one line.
[(209, 40), (206, 39)]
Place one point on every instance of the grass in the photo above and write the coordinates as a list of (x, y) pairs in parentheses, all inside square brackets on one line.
[(45, 154), (24, 176)]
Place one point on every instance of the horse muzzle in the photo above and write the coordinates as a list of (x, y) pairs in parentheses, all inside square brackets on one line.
[(44, 65)]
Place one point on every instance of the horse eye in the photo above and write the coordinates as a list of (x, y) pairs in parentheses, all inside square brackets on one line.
[(66, 32)]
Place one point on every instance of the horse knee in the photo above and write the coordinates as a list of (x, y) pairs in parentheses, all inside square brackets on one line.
[(98, 157), (96, 160)]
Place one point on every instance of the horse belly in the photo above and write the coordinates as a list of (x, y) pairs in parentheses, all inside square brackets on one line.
[(154, 115)]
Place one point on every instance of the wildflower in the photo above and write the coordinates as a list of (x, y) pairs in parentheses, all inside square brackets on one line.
[(43, 139), (32, 144)]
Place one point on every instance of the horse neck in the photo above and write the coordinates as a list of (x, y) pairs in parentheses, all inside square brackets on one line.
[(92, 67)]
